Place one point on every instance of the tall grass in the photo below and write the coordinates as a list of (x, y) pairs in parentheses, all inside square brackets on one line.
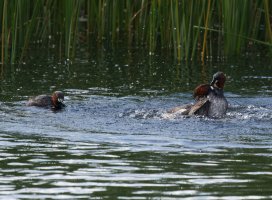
[(187, 29)]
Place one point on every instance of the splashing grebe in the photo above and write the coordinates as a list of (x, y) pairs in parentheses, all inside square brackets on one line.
[(210, 99)]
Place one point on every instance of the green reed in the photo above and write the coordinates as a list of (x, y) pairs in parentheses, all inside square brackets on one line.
[(186, 29), (4, 32)]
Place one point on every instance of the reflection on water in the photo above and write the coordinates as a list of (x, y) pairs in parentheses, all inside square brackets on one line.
[(113, 141), (122, 147)]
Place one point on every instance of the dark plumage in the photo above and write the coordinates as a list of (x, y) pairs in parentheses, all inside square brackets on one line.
[(55, 101), (210, 99)]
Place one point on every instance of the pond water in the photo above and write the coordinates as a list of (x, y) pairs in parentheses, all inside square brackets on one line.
[(114, 140)]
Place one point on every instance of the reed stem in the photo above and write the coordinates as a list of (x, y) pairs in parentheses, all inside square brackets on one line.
[(187, 29)]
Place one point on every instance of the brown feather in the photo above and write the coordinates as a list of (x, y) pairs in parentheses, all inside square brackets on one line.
[(201, 91)]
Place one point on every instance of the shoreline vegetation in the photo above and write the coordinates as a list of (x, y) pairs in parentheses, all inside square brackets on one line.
[(187, 29)]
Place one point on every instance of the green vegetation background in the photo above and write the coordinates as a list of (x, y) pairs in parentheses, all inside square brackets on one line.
[(188, 29)]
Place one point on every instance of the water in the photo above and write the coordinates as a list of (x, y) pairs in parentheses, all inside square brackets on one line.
[(115, 141)]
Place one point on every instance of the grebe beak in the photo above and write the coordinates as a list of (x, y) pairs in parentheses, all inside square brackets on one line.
[(61, 101)]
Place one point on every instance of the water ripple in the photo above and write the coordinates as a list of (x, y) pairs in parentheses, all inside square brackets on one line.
[(100, 146)]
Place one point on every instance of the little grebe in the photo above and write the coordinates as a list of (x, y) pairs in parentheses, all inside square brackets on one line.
[(210, 99), (55, 101)]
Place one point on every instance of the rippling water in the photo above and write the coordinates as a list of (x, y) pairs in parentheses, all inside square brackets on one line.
[(114, 140), (125, 148)]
